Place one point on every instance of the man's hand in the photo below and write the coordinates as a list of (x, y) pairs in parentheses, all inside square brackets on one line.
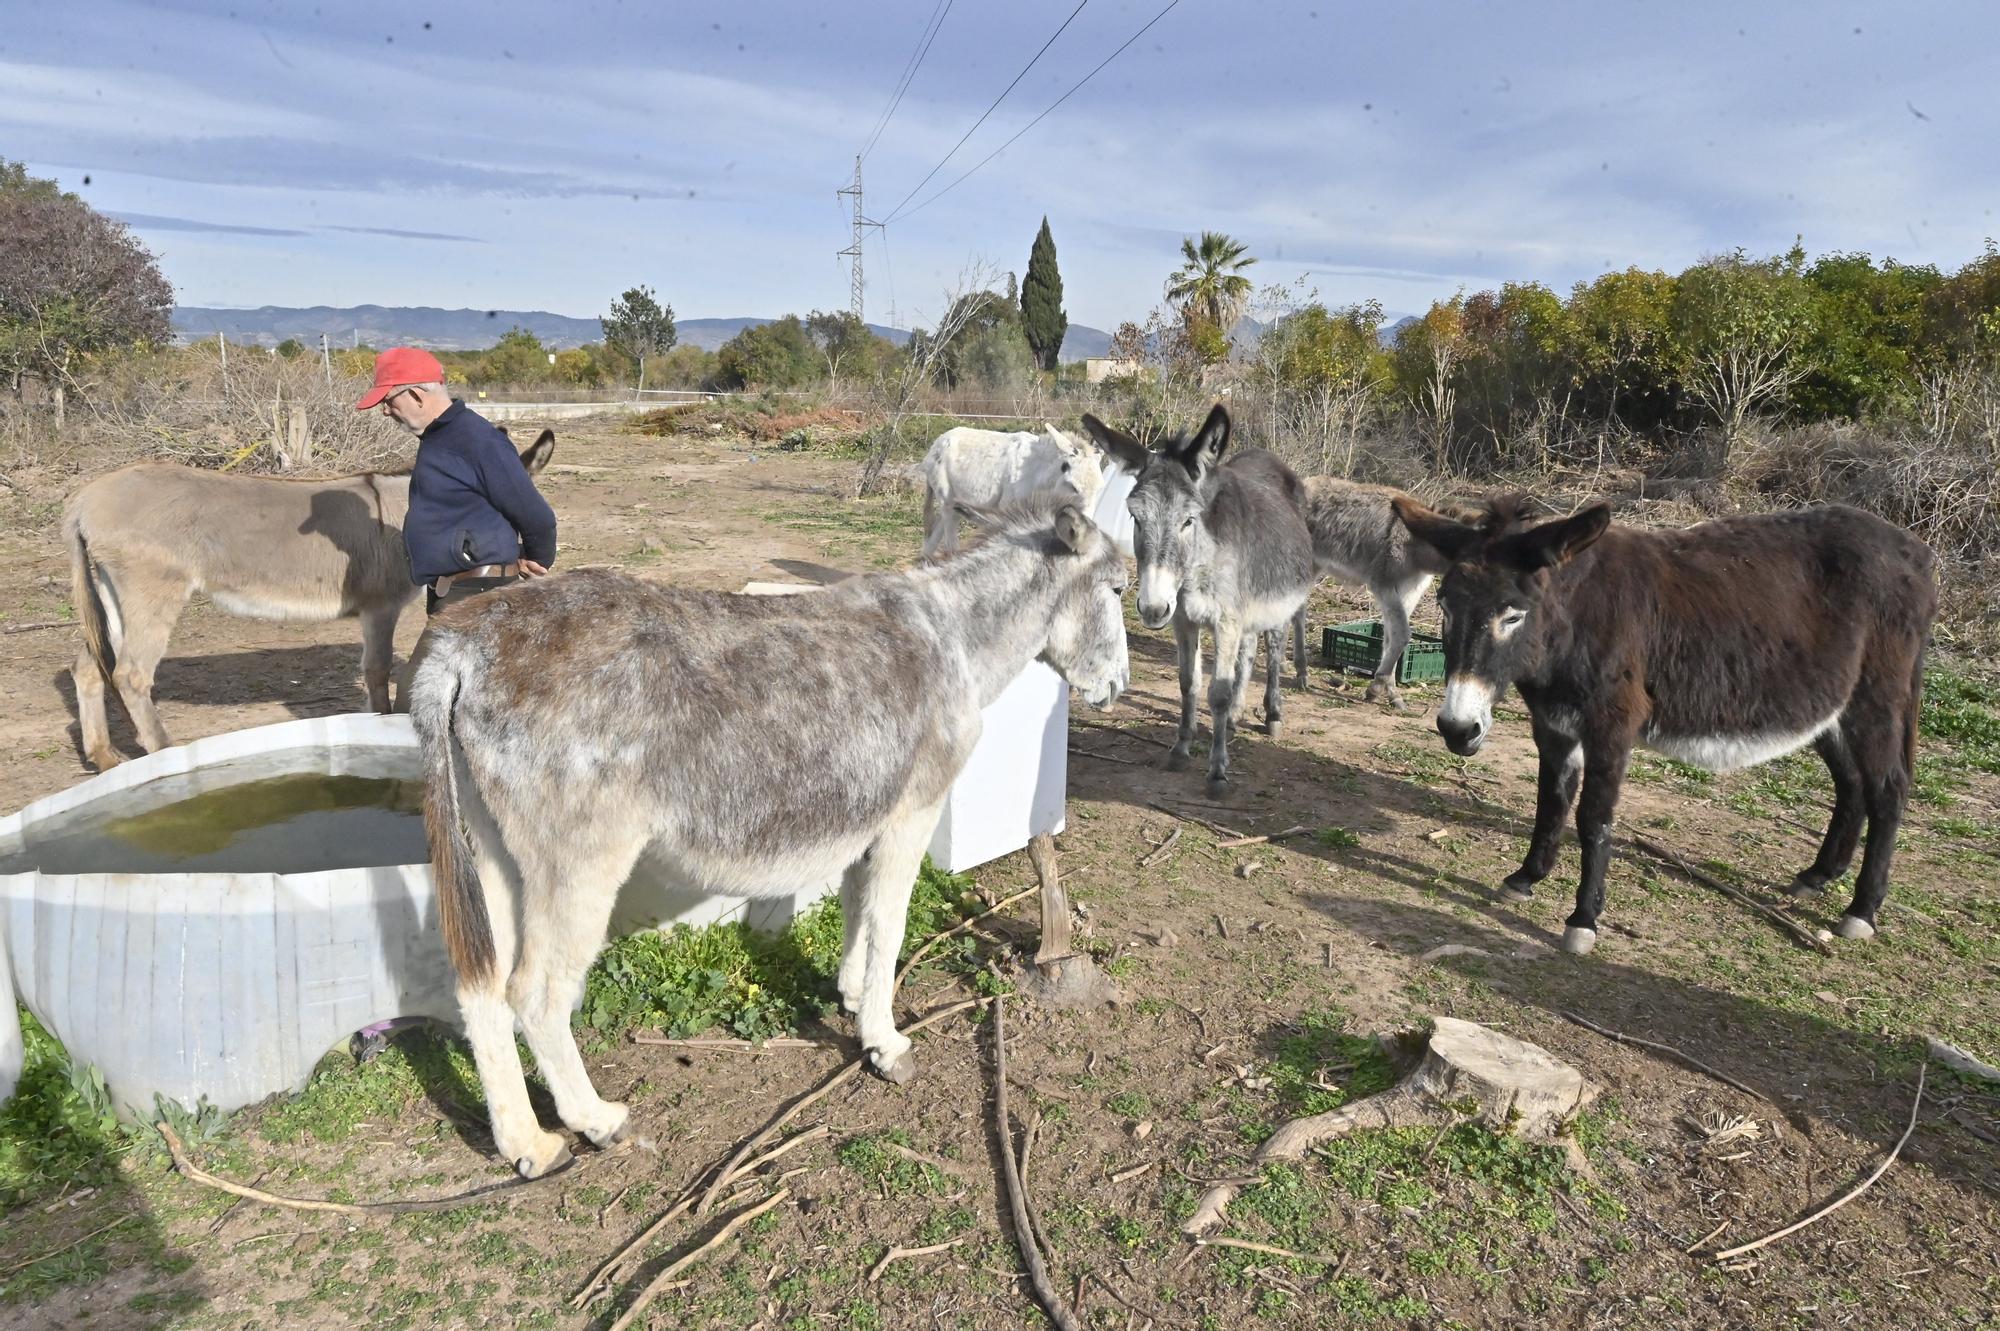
[(529, 568)]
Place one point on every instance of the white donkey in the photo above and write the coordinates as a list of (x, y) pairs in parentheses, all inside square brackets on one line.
[(1003, 469), (144, 538), (573, 724)]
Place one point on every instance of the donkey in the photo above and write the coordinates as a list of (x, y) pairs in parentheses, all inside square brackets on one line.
[(1001, 469), (1724, 645), (571, 725), (1358, 539), (143, 538), (1221, 545)]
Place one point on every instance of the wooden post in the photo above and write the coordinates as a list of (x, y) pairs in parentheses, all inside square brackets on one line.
[(1055, 904)]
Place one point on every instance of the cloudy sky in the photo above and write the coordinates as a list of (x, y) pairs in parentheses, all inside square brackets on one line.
[(535, 156)]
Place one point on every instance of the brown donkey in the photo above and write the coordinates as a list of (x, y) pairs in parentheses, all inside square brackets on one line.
[(1724, 645), (144, 538)]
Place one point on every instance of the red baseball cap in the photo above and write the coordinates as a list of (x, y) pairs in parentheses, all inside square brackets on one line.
[(399, 367)]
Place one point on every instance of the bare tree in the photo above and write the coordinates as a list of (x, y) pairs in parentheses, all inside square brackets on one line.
[(923, 357)]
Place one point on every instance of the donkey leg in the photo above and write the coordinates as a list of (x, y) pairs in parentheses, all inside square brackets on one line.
[(378, 653), (1187, 657), (489, 1018), (1555, 791), (853, 950), (1299, 647), (1395, 604), (1225, 692), (889, 874), (1274, 669), (90, 718), (1603, 775), (1877, 742), (149, 614), (1843, 829), (566, 907)]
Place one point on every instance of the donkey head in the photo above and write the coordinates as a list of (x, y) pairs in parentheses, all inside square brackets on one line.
[(1080, 466), (1086, 626), (1496, 601), (1174, 485)]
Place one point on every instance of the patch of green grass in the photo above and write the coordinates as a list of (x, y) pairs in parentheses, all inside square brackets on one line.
[(1322, 1055), (1965, 713), (1337, 838), (59, 1129), (869, 1156), (1129, 1104), (343, 1094), (941, 1225), (884, 529)]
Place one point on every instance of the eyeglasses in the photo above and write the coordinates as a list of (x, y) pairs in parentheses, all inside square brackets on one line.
[(407, 388)]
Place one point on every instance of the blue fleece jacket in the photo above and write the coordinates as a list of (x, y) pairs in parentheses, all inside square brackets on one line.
[(472, 502)]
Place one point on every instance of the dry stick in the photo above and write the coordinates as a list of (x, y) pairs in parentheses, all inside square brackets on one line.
[(1103, 757), (729, 1170), (1706, 1237), (1785, 922), (1267, 1249), (1128, 734), (195, 1174), (898, 1254), (1198, 820), (1866, 1183), (613, 1267), (736, 1046), (1024, 1234), (1694, 1063), (45, 624), (1161, 851), (723, 1235), (1258, 840), (73, 1243), (958, 928)]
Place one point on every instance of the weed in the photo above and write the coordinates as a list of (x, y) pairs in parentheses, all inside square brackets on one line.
[(869, 1156)]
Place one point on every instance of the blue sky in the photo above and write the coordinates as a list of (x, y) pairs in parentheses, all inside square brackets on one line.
[(519, 155)]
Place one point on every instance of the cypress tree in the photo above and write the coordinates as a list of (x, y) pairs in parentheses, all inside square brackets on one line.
[(1042, 317)]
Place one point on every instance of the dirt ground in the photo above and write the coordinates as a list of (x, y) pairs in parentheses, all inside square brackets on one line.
[(1246, 991)]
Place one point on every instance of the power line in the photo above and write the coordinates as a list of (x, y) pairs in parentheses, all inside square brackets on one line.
[(989, 110), (939, 12), (1032, 123)]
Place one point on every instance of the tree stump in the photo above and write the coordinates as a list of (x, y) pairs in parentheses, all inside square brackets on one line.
[(1061, 976), (1467, 1073)]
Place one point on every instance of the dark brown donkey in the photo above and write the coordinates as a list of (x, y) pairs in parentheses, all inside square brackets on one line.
[(1724, 645)]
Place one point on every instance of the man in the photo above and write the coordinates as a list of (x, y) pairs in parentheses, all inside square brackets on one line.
[(476, 520)]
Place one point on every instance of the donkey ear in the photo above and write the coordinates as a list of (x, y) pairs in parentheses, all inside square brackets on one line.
[(1556, 543), (1072, 528), (536, 455), (1117, 443), (1201, 453), (1448, 536)]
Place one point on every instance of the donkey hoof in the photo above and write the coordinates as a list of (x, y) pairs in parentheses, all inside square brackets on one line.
[(1272, 725), (610, 1137), (1578, 941), (1807, 884), (1517, 891), (899, 1071), (528, 1168), (1855, 928), (1218, 786), (1179, 761)]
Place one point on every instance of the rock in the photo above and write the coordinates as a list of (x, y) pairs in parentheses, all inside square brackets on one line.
[(1454, 950)]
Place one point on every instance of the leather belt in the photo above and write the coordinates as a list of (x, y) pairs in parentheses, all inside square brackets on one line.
[(443, 584)]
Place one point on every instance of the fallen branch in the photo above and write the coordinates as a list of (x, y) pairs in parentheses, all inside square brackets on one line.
[(1162, 850), (1128, 734), (898, 1254), (1738, 895), (1104, 757), (659, 1282), (1259, 840), (1866, 1183), (614, 1267), (1669, 1050), (915, 1157), (44, 624), (195, 1174), (1024, 1238), (785, 1115), (1198, 820), (736, 1046), (1247, 1246), (958, 928), (73, 1243)]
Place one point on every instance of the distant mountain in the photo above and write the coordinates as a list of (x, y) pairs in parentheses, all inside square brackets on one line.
[(1392, 333)]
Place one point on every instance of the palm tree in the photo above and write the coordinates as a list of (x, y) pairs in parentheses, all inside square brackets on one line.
[(1210, 284)]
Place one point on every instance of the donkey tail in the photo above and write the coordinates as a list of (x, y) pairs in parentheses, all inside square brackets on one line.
[(1913, 719), (468, 932), (83, 595), (13, 1054)]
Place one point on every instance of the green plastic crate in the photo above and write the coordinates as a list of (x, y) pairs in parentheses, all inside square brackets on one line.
[(1358, 646)]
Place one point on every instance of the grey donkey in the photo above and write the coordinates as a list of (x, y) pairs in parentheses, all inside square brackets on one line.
[(1358, 539), (1222, 545), (571, 725), (144, 538)]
